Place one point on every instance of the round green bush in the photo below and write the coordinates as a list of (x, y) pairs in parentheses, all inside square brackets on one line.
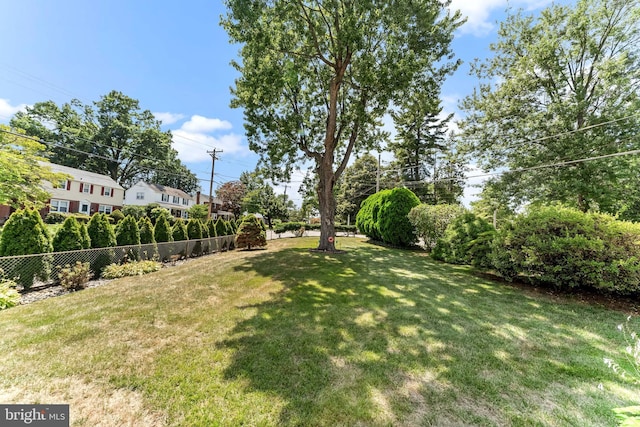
[(384, 216), (117, 216), (55, 218)]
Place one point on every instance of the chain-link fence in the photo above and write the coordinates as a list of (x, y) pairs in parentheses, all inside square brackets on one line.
[(28, 270)]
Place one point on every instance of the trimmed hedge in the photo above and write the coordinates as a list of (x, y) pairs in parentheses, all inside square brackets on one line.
[(567, 248), (384, 216), (101, 231), (146, 230)]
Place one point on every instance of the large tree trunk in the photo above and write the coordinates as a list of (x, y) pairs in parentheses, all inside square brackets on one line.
[(327, 207)]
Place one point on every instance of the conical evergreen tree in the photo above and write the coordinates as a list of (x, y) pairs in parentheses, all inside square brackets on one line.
[(68, 237)]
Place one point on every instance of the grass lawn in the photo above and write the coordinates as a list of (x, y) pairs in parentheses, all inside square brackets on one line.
[(284, 336)]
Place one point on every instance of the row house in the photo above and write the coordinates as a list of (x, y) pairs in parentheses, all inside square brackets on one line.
[(177, 201), (85, 192), (216, 206)]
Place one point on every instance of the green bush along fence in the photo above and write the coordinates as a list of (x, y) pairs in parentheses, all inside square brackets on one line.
[(28, 270)]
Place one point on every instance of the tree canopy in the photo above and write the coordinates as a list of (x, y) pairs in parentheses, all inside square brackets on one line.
[(231, 193), (23, 169), (113, 137), (317, 77), (561, 87)]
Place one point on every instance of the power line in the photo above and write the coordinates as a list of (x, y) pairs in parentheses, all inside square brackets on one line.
[(111, 159)]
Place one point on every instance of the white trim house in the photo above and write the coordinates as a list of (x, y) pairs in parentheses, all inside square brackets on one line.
[(143, 193), (86, 192)]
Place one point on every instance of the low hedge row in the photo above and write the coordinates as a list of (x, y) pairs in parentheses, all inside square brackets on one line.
[(553, 245)]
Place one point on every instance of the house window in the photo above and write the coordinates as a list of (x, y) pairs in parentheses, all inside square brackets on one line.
[(59, 206), (165, 197), (64, 184), (106, 209), (86, 188), (107, 191), (84, 208), (185, 201), (176, 199), (140, 195)]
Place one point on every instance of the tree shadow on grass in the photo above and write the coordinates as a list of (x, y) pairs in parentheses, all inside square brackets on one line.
[(379, 336)]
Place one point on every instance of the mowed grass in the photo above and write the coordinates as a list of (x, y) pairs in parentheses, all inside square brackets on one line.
[(285, 336)]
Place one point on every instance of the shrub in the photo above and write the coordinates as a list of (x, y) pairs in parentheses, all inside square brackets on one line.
[(135, 211), (367, 217), (102, 236), (55, 218), (146, 231), (69, 236), (384, 216), (24, 234), (117, 216), (128, 232), (100, 231), (9, 296), (137, 268), (179, 231), (81, 218), (251, 233), (564, 247), (158, 212), (199, 212), (221, 227), (288, 226), (86, 240), (162, 231), (467, 240), (431, 221), (194, 232), (210, 225), (76, 277)]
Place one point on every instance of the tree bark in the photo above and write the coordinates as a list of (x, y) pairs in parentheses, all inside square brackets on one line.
[(327, 206)]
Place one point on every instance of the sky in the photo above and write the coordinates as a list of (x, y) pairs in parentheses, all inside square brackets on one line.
[(174, 58)]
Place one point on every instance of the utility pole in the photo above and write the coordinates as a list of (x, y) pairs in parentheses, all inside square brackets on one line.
[(285, 189), (213, 164)]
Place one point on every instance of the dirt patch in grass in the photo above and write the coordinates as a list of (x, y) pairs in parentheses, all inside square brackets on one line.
[(90, 404)]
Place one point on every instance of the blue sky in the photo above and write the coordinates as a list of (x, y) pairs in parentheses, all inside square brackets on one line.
[(174, 58)]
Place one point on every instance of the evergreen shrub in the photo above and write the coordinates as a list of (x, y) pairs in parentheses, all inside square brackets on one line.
[(251, 233), (431, 221), (68, 237), (467, 240), (564, 247)]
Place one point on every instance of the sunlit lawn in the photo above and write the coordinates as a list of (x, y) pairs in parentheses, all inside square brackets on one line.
[(285, 336)]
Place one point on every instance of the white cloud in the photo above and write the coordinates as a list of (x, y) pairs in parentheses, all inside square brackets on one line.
[(7, 110), (168, 118), (200, 124), (478, 12), (193, 147)]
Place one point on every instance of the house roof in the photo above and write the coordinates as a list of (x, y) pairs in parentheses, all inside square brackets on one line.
[(169, 190), (84, 176)]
